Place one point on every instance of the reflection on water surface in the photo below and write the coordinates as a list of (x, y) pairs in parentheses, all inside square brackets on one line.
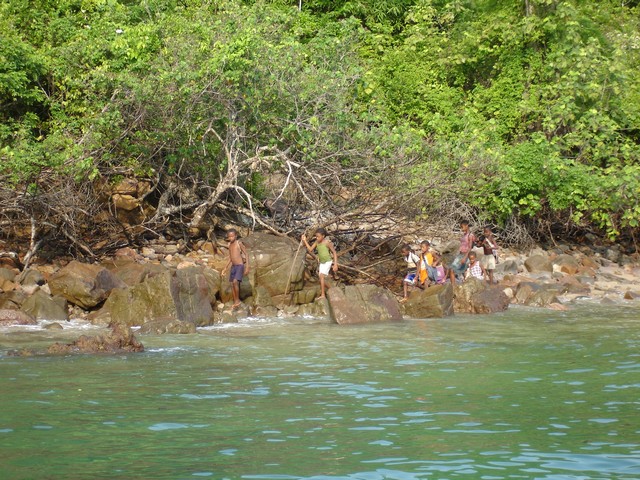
[(524, 394)]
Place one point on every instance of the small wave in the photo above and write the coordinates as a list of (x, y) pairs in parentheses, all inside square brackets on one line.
[(72, 324)]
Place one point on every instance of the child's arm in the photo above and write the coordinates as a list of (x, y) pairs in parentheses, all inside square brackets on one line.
[(243, 251), (306, 243), (335, 255)]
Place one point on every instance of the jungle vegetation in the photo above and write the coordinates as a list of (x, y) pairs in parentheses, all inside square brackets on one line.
[(350, 114)]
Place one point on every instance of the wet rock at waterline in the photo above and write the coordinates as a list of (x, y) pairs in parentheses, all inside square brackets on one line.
[(167, 325), (362, 304), (477, 296), (119, 339), (15, 317), (432, 302), (185, 294), (45, 307)]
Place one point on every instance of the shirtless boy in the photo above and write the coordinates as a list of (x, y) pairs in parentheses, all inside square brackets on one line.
[(239, 263)]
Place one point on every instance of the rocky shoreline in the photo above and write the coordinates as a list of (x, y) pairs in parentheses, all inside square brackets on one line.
[(161, 290)]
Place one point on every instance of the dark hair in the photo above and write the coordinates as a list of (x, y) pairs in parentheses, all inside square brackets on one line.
[(425, 242), (405, 247), (464, 222), (322, 231), (487, 227), (232, 230)]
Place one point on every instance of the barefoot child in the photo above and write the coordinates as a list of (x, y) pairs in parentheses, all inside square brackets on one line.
[(239, 263), (461, 262), (490, 248), (326, 251), (413, 273)]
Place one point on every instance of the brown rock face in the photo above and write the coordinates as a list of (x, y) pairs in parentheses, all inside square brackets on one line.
[(567, 264), (15, 317), (193, 291), (125, 202), (143, 302), (119, 340), (43, 307), (12, 300), (272, 263), (491, 300), (362, 304), (477, 296), (83, 284), (538, 264), (185, 295), (432, 302), (525, 290), (545, 296)]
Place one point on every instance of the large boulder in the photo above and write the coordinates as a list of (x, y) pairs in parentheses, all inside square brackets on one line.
[(524, 291), (507, 267), (193, 292), (477, 296), (31, 277), (43, 307), (7, 274), (15, 317), (83, 284), (566, 264), (141, 303), (7, 285), (276, 263), (546, 296), (538, 264), (184, 295), (436, 301), (362, 304), (119, 339), (12, 300), (130, 272), (539, 295)]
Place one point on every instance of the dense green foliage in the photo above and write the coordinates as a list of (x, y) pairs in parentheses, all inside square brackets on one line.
[(517, 109)]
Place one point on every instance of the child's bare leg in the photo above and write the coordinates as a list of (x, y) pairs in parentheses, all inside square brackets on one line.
[(235, 288), (490, 277), (322, 287), (405, 288), (452, 276)]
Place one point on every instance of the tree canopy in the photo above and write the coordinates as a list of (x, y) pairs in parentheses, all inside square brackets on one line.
[(517, 112)]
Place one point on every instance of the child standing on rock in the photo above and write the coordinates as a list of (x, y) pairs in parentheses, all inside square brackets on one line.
[(327, 256), (239, 263), (461, 262), (490, 248)]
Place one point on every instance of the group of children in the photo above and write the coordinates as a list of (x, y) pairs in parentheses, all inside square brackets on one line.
[(424, 269), (427, 268)]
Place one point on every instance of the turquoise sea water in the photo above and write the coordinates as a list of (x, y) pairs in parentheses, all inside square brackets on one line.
[(528, 394)]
